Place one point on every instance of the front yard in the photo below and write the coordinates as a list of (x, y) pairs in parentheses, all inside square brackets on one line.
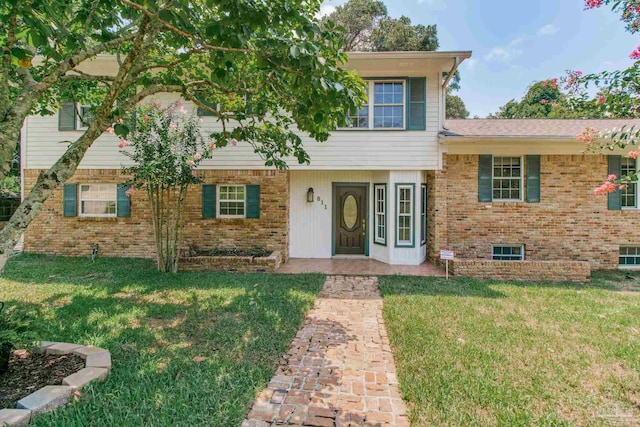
[(480, 353), (155, 325), (196, 348)]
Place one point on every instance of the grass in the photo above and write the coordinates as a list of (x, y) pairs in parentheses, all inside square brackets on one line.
[(482, 353), (155, 325)]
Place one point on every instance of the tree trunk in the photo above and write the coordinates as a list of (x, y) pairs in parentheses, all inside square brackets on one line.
[(46, 184), (167, 208)]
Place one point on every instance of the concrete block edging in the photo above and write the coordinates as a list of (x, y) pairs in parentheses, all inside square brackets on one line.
[(48, 398)]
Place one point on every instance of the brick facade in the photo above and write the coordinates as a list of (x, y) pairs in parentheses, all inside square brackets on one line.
[(531, 271), (569, 223), (52, 233)]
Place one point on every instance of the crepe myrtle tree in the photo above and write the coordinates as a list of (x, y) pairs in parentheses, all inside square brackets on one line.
[(618, 96), (165, 146), (264, 67)]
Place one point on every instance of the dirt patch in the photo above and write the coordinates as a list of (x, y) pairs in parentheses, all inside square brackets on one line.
[(29, 372)]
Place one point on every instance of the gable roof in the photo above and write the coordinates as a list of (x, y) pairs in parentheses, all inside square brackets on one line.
[(528, 128)]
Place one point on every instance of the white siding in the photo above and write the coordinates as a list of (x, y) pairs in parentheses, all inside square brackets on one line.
[(311, 223), (345, 150)]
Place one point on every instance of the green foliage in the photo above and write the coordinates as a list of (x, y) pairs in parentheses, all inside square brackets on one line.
[(368, 27), (514, 354), (154, 325), (456, 108), (545, 100), (165, 145)]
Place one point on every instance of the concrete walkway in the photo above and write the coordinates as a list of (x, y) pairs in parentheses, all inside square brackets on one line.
[(339, 370), (357, 266)]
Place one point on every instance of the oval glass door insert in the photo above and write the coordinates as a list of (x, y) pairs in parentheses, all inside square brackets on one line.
[(350, 212)]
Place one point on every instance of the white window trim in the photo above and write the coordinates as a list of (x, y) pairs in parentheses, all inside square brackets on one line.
[(411, 215), (522, 251), (219, 201), (81, 199), (627, 266), (377, 239), (522, 167), (423, 216), (637, 205), (371, 104)]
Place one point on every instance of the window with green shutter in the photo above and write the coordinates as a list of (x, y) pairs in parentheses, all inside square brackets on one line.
[(203, 111), (70, 200), (123, 201), (417, 103), (208, 201), (533, 178), (67, 116), (614, 201), (485, 178), (253, 201)]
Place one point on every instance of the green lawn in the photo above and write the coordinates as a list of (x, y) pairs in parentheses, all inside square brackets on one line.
[(481, 353), (154, 325)]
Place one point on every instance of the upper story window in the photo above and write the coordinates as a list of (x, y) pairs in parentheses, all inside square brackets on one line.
[(629, 195), (387, 109), (85, 117), (507, 178), (98, 200)]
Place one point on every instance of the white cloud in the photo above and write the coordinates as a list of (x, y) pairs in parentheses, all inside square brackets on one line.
[(505, 53), (470, 64), (547, 30)]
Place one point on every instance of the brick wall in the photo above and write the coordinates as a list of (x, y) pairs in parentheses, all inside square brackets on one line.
[(51, 233), (531, 271), (569, 223)]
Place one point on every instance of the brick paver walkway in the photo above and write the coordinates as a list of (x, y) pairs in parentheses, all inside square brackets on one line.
[(339, 370)]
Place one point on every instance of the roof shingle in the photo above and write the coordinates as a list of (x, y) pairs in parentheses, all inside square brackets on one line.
[(534, 128)]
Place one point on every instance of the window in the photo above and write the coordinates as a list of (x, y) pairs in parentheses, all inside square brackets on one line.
[(387, 109), (380, 218), (629, 256), (507, 178), (423, 214), (85, 117), (404, 209), (508, 252), (630, 194), (232, 201), (98, 200)]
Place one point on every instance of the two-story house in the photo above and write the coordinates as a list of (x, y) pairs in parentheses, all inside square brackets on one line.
[(397, 186)]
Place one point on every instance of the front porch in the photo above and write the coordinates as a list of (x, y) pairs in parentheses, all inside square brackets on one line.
[(358, 267)]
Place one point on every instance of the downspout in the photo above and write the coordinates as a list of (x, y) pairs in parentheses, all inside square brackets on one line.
[(454, 68)]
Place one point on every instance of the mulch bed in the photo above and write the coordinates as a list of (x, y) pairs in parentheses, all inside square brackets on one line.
[(29, 372)]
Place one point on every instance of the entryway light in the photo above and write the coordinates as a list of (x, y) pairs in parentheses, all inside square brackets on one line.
[(310, 195)]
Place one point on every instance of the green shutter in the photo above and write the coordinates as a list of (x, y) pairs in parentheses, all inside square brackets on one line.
[(70, 200), (253, 201), (203, 112), (67, 116), (123, 201), (615, 198), (208, 201), (417, 103), (533, 178), (485, 178)]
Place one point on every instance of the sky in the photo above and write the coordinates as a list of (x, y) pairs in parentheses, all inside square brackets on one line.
[(518, 42)]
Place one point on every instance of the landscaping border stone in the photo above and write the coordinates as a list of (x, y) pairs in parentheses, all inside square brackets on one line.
[(48, 398), (239, 264)]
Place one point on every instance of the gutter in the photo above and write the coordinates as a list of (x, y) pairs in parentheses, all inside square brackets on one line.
[(456, 63)]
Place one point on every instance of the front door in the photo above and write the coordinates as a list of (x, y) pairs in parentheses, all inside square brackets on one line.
[(350, 223)]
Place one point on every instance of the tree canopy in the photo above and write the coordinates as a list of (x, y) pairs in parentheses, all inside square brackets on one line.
[(266, 67)]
